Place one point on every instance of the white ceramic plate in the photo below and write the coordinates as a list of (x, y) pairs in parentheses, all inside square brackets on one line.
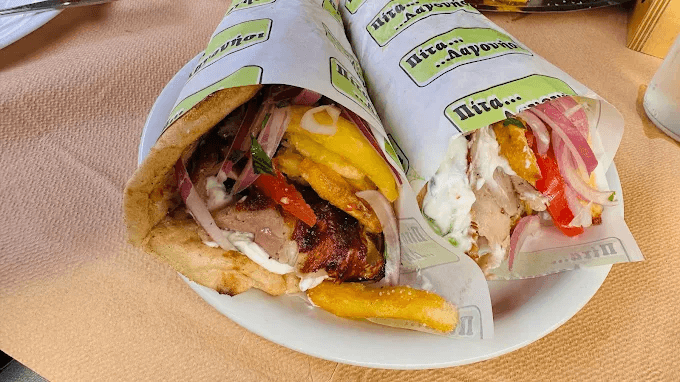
[(14, 27), (524, 310)]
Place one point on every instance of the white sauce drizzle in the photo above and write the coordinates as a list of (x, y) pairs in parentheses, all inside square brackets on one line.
[(449, 197)]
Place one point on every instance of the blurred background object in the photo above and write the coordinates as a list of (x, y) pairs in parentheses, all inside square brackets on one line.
[(13, 371), (531, 6), (662, 98), (653, 25)]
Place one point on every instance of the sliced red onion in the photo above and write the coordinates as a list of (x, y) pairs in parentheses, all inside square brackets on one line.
[(526, 227), (559, 145), (238, 143), (538, 128), (198, 209), (573, 179), (281, 93), (383, 209), (309, 123), (571, 136), (269, 138), (583, 217), (307, 98), (575, 112)]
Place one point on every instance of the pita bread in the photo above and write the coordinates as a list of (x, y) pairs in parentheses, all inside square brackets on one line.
[(145, 203), (151, 192)]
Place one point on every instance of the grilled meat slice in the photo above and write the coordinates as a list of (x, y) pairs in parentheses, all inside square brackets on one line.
[(257, 214), (338, 243)]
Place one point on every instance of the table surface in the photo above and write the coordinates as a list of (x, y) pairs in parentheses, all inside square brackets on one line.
[(78, 303)]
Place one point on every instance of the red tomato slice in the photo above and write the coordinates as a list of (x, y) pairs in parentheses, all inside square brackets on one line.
[(552, 185), (287, 196)]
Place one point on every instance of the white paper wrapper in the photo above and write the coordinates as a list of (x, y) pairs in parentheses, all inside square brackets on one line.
[(303, 43), (437, 69)]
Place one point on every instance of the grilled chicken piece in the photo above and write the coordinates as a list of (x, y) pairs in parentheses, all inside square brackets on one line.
[(514, 147), (338, 244), (495, 211)]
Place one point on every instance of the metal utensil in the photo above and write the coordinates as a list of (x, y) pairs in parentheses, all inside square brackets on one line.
[(50, 4)]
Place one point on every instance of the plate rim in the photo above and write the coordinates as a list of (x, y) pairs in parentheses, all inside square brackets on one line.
[(37, 20), (596, 278)]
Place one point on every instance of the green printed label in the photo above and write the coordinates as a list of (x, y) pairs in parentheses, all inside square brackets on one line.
[(238, 5), (350, 56), (233, 39), (459, 46), (390, 151), (329, 5), (344, 82), (418, 249), (353, 5), (499, 102), (397, 15), (247, 75)]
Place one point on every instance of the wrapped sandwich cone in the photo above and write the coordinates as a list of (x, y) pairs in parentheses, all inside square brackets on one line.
[(158, 222), (149, 195)]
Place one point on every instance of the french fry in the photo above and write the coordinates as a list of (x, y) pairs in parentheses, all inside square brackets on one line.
[(353, 300), (316, 152), (287, 161), (362, 184), (350, 143), (334, 188)]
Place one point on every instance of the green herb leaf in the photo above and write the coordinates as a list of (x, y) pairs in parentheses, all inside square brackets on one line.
[(611, 197), (265, 120), (262, 164), (433, 225), (453, 242), (514, 121)]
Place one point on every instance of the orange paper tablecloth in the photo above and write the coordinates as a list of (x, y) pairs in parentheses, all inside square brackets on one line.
[(77, 303)]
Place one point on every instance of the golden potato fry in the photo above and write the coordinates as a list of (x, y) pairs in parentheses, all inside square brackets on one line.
[(362, 184), (287, 161), (309, 148), (334, 188), (350, 143), (353, 300), (515, 148)]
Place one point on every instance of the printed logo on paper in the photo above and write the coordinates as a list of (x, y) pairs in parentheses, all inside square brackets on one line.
[(469, 323), (329, 5), (601, 252), (418, 249), (447, 51), (353, 5), (350, 56), (233, 39), (238, 5), (353, 88), (497, 103), (247, 75), (397, 15)]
